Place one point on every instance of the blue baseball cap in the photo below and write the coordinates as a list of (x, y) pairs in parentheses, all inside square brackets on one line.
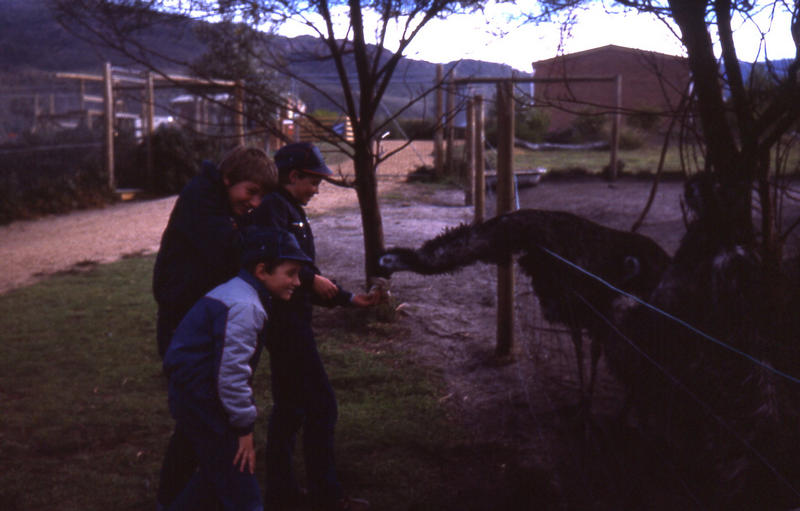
[(301, 156), (270, 244)]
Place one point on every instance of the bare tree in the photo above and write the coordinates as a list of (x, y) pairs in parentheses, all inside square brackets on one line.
[(356, 38)]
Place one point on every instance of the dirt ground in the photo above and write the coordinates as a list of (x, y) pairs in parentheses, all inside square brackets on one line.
[(527, 445)]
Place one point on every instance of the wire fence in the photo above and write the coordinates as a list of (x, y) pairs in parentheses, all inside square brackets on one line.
[(735, 441)]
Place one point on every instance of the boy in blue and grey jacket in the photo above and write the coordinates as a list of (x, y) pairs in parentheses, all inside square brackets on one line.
[(201, 249), (210, 363)]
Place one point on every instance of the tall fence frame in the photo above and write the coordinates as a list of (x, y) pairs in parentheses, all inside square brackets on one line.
[(113, 77)]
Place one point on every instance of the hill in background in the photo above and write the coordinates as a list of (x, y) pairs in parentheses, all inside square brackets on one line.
[(34, 44)]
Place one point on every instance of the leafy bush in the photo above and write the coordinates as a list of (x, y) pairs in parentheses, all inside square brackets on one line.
[(38, 181), (57, 172), (631, 139), (564, 136), (531, 124), (644, 119), (175, 160), (177, 154), (589, 127)]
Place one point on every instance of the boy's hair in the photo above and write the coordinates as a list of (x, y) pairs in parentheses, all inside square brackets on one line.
[(269, 265), (249, 164)]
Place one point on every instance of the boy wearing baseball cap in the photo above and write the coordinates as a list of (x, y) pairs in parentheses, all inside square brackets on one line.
[(302, 394), (210, 363)]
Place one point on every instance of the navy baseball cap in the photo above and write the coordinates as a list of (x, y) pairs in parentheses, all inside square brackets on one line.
[(302, 156), (270, 244)]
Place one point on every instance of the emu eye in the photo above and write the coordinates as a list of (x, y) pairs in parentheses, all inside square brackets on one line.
[(631, 266), (386, 261)]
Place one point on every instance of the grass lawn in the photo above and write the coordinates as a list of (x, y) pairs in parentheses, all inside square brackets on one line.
[(638, 161), (84, 416), (642, 161)]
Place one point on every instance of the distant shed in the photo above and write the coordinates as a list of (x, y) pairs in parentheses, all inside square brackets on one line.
[(652, 83)]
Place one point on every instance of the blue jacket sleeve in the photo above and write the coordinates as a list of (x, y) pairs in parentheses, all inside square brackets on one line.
[(342, 298), (244, 322)]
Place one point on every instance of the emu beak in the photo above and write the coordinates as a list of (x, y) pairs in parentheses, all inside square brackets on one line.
[(390, 263)]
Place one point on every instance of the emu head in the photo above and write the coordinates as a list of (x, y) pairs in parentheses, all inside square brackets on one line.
[(396, 259), (642, 270), (631, 267)]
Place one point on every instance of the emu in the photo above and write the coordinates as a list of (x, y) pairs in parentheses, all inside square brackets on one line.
[(628, 261)]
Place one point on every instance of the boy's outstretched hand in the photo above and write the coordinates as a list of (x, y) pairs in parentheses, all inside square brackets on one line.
[(367, 299), (246, 455)]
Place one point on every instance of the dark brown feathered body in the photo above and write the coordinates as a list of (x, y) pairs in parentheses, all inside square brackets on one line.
[(576, 268), (626, 260)]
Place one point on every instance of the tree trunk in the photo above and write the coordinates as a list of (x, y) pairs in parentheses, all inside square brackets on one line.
[(734, 166), (371, 221)]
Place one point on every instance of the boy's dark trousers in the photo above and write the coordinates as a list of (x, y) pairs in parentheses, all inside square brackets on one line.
[(180, 462), (303, 397), (177, 469), (218, 484)]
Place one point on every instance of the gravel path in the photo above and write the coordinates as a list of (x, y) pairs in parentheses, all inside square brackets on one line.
[(32, 249)]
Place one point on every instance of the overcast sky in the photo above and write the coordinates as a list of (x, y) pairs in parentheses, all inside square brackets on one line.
[(496, 36)]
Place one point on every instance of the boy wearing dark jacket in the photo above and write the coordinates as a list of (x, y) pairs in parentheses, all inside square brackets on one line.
[(210, 363), (200, 249), (302, 395), (200, 245)]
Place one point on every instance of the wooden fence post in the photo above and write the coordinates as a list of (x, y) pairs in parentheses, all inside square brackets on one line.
[(505, 198), (480, 161), (615, 124), (83, 107), (108, 104), (469, 154), (149, 127), (35, 113), (449, 125), (437, 134)]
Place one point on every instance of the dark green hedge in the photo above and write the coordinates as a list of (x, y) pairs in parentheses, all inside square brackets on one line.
[(62, 172)]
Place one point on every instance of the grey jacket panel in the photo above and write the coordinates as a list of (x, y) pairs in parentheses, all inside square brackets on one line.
[(246, 319)]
